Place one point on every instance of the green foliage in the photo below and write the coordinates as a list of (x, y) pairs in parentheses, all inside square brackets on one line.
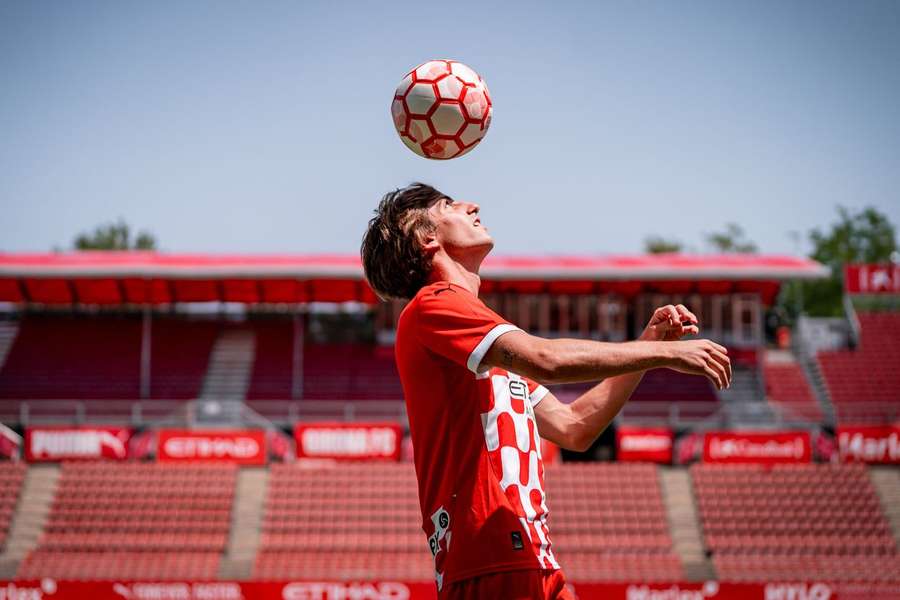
[(659, 245), (863, 237), (114, 236), (866, 236), (730, 241)]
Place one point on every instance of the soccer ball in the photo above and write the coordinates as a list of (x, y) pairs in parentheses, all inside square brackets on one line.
[(442, 109)]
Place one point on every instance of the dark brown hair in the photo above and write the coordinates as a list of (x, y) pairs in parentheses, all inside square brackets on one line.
[(392, 256)]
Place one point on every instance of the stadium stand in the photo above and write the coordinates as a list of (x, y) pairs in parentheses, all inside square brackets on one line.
[(608, 523), (788, 388), (660, 391), (344, 522), (57, 357), (180, 354), (271, 373), (864, 383), (808, 522), (98, 358), (330, 371), (12, 475), (135, 520)]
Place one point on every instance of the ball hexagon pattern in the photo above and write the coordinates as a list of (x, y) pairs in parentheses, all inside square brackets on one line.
[(441, 109)]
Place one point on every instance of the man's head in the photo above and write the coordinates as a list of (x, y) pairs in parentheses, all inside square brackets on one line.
[(411, 227)]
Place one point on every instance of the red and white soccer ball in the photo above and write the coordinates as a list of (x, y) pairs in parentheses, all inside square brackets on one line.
[(442, 109)]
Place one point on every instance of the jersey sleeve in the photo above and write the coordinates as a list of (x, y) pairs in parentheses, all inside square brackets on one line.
[(536, 391), (458, 326)]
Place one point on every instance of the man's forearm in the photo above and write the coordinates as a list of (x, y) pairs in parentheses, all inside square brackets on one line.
[(585, 360), (594, 410)]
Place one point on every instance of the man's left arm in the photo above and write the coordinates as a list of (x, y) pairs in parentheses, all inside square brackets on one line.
[(575, 426)]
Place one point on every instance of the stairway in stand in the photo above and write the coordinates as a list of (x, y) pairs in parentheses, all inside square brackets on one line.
[(230, 366), (8, 332)]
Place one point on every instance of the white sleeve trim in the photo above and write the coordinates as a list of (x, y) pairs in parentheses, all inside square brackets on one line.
[(485, 344), (537, 395)]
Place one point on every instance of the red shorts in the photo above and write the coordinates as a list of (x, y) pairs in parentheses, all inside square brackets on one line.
[(532, 584)]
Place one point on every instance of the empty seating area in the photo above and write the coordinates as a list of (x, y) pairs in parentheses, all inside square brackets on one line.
[(97, 357), (179, 357), (330, 371), (661, 394), (135, 520), (343, 522), (608, 523), (760, 523), (864, 383), (272, 365), (12, 475), (788, 388), (62, 357)]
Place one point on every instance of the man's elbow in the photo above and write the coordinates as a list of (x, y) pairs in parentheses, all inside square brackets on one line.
[(580, 442)]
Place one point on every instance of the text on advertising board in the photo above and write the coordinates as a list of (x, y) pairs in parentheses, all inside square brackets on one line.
[(73, 443), (757, 447), (875, 445), (349, 440), (242, 446), (652, 444)]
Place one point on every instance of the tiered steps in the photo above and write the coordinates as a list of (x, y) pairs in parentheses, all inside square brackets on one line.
[(684, 526), (230, 366), (30, 517), (8, 332), (887, 484), (246, 523)]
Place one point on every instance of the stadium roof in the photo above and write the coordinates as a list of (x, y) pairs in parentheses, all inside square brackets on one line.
[(157, 278)]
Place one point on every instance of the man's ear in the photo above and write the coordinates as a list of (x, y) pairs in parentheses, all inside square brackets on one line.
[(429, 242)]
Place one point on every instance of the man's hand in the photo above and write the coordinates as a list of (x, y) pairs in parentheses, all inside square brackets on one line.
[(701, 357), (698, 357), (670, 323)]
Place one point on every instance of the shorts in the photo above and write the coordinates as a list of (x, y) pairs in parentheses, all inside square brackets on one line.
[(530, 584)]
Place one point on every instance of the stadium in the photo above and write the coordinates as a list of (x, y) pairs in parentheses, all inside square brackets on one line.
[(202, 426), (307, 300)]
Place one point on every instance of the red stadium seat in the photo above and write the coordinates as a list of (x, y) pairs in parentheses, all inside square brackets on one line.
[(135, 520), (800, 522), (864, 383)]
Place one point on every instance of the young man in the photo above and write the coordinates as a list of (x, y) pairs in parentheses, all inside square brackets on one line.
[(476, 406)]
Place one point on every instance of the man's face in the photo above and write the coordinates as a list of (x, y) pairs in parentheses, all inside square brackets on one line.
[(459, 230)]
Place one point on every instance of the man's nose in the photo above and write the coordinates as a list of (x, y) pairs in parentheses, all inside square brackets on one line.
[(471, 207)]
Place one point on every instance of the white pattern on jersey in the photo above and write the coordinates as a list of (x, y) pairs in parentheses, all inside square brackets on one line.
[(511, 462)]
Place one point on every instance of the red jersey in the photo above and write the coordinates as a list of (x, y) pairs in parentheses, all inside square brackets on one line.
[(476, 444)]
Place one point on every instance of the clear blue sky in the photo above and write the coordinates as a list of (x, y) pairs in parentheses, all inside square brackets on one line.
[(265, 127)]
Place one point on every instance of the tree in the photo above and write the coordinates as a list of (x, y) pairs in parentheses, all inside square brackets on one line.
[(866, 236), (114, 236), (656, 244), (730, 241)]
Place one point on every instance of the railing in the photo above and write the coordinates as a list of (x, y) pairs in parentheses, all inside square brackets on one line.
[(141, 413)]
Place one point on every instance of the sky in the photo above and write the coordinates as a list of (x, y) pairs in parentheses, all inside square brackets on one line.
[(256, 127)]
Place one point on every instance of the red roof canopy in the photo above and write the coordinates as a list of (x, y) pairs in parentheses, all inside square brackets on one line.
[(148, 277)]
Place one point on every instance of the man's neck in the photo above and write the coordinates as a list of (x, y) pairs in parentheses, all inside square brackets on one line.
[(462, 273)]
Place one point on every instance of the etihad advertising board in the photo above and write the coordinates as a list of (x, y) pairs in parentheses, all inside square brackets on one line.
[(349, 441), (48, 444), (246, 447), (757, 447)]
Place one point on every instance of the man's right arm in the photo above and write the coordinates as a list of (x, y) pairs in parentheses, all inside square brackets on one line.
[(570, 360)]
